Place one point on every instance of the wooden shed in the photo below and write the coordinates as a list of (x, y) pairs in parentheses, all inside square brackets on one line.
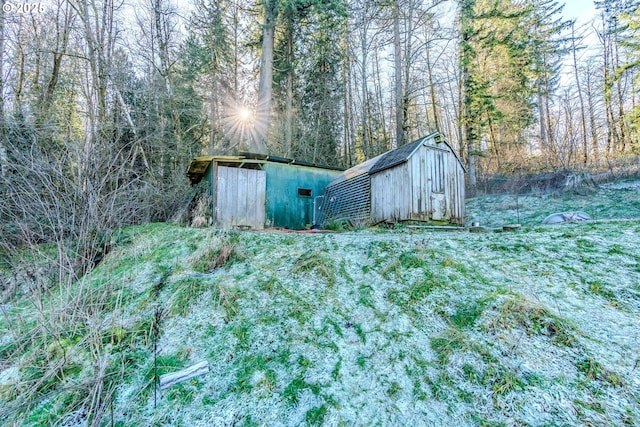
[(420, 181), (258, 191)]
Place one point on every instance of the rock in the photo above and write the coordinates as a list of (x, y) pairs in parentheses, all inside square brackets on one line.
[(559, 218)]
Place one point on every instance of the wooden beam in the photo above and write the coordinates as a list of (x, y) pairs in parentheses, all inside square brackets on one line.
[(167, 380)]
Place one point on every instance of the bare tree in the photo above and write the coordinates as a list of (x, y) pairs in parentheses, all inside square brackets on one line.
[(265, 89), (4, 162), (583, 118)]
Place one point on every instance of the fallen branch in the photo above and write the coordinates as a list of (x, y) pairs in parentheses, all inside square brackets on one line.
[(167, 380)]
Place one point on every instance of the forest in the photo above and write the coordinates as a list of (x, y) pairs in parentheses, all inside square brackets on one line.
[(104, 102)]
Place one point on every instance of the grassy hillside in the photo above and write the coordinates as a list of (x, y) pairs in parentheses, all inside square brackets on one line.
[(535, 327), (613, 200)]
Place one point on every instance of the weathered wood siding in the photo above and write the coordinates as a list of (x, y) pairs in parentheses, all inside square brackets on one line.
[(391, 194), (423, 181), (240, 197), (428, 187)]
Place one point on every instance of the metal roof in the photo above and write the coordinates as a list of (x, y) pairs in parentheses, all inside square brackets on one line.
[(393, 158), (199, 165)]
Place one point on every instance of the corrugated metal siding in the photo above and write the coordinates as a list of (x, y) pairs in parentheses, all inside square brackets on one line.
[(240, 197), (347, 200)]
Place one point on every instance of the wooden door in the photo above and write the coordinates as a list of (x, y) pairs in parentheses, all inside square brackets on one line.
[(437, 179), (240, 197)]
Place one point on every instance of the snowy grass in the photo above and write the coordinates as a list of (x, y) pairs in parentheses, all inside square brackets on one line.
[(615, 200), (536, 327)]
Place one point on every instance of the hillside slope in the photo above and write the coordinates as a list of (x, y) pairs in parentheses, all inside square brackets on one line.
[(536, 327)]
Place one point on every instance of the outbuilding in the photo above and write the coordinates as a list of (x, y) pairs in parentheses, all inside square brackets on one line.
[(420, 181), (259, 191)]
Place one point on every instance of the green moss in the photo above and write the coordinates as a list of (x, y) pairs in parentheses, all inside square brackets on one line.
[(291, 393), (242, 332), (394, 389), (245, 373), (361, 361), (595, 371), (186, 293), (344, 273), (536, 320), (503, 381), (448, 343), (269, 284), (393, 270), (411, 259), (365, 293), (601, 289), (336, 369)]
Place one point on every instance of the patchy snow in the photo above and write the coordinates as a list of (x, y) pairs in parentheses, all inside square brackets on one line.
[(538, 326), (353, 356)]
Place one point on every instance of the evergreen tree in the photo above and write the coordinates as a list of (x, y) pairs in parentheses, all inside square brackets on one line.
[(547, 46), (631, 41)]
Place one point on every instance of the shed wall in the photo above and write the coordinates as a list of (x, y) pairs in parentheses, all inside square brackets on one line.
[(285, 207), (428, 186), (391, 194), (240, 197)]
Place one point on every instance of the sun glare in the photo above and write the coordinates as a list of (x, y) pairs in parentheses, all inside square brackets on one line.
[(241, 125), (244, 114)]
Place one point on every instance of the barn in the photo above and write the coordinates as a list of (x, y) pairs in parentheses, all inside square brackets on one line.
[(258, 191), (420, 181)]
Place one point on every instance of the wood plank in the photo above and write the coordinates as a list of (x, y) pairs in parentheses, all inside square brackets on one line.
[(261, 198), (241, 198), (222, 190), (167, 380)]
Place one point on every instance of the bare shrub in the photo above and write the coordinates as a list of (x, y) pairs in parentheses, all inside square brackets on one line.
[(58, 214), (202, 211)]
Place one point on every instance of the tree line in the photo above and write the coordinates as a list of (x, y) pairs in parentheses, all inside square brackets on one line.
[(510, 82), (104, 102)]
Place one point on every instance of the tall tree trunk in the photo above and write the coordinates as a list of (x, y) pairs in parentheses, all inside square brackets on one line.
[(385, 139), (62, 38), (466, 57), (543, 118), (397, 58), (583, 118), (265, 88), (4, 161), (608, 106), (17, 108), (432, 91), (621, 113), (288, 124), (592, 116), (213, 117), (365, 90)]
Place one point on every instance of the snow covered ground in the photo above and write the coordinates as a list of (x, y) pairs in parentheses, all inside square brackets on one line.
[(378, 327)]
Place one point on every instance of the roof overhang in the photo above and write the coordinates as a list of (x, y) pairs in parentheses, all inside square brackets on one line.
[(198, 166)]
